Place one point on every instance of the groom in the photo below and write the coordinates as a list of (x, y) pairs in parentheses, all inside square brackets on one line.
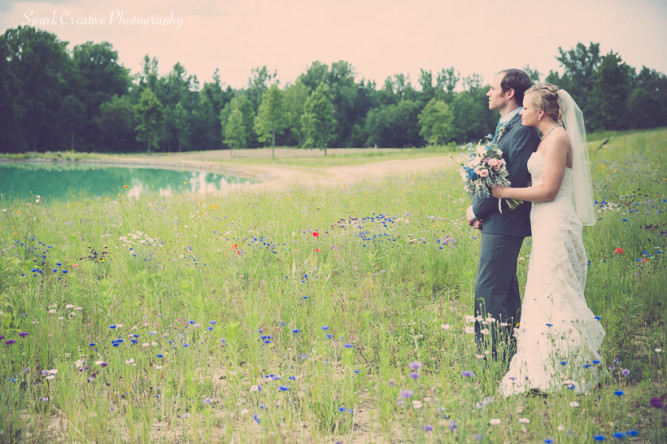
[(497, 289)]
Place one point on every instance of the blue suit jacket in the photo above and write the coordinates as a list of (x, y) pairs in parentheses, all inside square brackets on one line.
[(517, 144)]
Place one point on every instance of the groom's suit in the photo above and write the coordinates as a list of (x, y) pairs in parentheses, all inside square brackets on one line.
[(497, 289)]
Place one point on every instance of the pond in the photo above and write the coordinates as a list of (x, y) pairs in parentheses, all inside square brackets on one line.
[(70, 182)]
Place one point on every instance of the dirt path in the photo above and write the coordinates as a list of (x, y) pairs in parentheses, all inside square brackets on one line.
[(281, 177)]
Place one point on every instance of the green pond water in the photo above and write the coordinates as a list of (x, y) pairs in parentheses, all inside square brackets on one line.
[(71, 182)]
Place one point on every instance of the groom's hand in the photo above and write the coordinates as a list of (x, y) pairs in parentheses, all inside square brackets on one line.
[(472, 219)]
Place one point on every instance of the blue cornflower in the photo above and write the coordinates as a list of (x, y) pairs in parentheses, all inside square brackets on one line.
[(414, 375), (619, 435), (619, 393), (563, 362), (283, 388), (548, 441), (112, 326), (348, 346), (325, 327), (256, 418), (341, 409), (599, 438), (296, 330), (467, 374), (160, 355)]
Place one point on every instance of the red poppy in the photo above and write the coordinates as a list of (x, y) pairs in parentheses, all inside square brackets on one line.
[(316, 234), (317, 250), (619, 250), (234, 247)]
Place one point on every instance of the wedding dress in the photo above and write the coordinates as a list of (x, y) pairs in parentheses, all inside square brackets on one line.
[(559, 337)]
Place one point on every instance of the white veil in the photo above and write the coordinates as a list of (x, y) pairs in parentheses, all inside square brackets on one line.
[(572, 119)]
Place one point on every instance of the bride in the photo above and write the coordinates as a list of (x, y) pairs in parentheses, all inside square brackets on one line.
[(559, 337)]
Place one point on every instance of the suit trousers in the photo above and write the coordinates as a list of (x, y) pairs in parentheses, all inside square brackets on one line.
[(497, 290)]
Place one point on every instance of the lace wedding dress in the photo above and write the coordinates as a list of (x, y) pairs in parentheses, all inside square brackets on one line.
[(558, 337)]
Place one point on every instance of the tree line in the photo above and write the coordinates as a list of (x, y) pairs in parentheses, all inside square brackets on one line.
[(53, 98)]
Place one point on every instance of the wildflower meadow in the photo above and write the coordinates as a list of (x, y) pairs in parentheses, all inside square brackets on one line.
[(316, 314)]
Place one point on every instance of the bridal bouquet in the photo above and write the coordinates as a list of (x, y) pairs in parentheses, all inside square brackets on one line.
[(483, 167)]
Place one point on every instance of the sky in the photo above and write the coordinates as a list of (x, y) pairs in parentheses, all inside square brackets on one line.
[(379, 38)]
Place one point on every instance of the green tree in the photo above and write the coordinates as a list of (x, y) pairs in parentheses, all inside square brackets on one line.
[(343, 92), (100, 75), (242, 103), (426, 83), (468, 111), (235, 132), (295, 101), (647, 101), (271, 117), (178, 94), (115, 122), (36, 68), (72, 113), (260, 81), (445, 84), (180, 124), (579, 63), (150, 115), (315, 75), (394, 125), (367, 98), (212, 100), (435, 121), (611, 87), (318, 119), (533, 74), (148, 77)]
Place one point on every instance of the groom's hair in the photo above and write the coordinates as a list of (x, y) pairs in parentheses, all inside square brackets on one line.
[(517, 80)]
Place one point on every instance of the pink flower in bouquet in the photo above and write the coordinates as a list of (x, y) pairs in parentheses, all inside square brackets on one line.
[(483, 173), (495, 164)]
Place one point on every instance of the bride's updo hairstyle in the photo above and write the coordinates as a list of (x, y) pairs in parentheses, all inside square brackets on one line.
[(547, 99)]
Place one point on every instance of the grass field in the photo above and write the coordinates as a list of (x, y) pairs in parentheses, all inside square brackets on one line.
[(320, 314)]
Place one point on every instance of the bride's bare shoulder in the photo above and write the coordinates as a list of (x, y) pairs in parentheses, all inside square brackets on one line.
[(557, 143)]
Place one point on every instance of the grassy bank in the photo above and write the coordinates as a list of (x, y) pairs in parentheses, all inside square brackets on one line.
[(314, 315)]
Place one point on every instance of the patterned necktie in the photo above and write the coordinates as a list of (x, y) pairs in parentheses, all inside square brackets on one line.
[(495, 134)]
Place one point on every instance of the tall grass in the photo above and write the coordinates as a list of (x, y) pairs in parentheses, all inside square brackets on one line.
[(313, 315)]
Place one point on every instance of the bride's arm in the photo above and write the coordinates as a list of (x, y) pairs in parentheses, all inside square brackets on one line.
[(552, 176)]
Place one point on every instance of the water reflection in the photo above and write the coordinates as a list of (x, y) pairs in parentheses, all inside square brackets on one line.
[(63, 182)]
